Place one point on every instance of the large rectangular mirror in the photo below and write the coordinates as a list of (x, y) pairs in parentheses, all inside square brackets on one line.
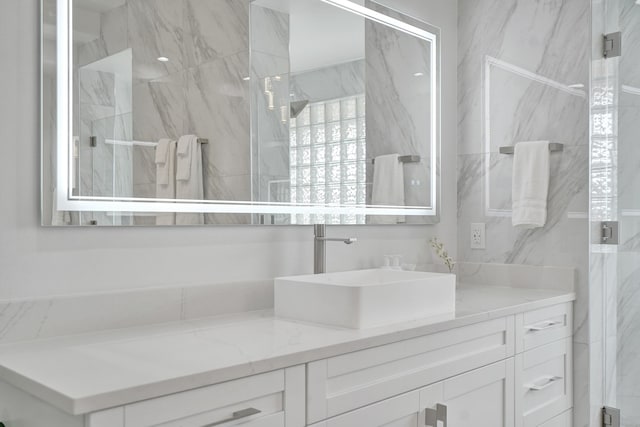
[(188, 112)]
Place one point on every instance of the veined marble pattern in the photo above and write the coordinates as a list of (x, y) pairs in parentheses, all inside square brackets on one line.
[(215, 29), (217, 108), (57, 316), (156, 30), (337, 81), (394, 94), (550, 38), (545, 46)]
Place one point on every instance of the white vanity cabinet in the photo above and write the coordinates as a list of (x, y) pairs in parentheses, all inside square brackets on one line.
[(509, 372), (272, 399), (477, 398)]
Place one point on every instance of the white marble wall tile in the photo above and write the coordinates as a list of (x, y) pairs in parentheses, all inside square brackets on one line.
[(114, 29), (547, 38), (156, 30), (269, 31), (22, 320), (395, 95), (203, 301), (217, 108), (96, 88), (159, 108), (338, 81), (215, 29), (517, 275)]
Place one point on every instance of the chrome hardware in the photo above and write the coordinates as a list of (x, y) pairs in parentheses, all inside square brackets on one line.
[(610, 417), (320, 247), (553, 147), (612, 45), (610, 233), (433, 416), (236, 416), (541, 327), (405, 159), (548, 382)]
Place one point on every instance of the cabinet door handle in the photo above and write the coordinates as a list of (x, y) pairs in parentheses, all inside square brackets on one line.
[(548, 382), (236, 416), (433, 416), (542, 326)]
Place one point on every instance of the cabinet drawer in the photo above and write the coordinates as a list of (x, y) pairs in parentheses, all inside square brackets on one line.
[(563, 420), (347, 382), (399, 411), (543, 326), (256, 401), (543, 383)]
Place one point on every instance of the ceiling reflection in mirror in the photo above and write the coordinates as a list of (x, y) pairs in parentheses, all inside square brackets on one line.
[(188, 112)]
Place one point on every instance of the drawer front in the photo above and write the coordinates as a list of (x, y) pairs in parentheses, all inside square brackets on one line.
[(257, 401), (543, 383), (563, 420), (399, 411), (341, 384), (543, 326)]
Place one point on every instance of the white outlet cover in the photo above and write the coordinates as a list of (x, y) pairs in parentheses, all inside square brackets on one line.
[(477, 236)]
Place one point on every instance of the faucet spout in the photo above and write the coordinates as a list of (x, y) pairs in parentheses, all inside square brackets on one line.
[(320, 247)]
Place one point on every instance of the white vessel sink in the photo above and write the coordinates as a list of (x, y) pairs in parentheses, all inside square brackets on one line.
[(365, 298)]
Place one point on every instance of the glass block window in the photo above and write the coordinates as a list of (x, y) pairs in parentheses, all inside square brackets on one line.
[(328, 158)]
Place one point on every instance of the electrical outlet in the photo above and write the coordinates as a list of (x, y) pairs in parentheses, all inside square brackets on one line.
[(477, 236)]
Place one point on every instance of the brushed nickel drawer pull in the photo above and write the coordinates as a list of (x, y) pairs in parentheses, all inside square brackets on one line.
[(548, 383), (543, 326), (236, 416), (432, 416)]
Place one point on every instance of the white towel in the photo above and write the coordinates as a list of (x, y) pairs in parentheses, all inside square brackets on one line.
[(530, 184), (388, 187), (189, 177), (163, 173), (166, 177)]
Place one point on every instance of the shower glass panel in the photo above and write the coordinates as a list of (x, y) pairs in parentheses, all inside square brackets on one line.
[(615, 196)]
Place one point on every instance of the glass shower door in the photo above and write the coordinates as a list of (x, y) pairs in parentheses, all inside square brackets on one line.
[(615, 196)]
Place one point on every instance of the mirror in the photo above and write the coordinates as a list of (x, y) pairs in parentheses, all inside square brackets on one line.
[(189, 112)]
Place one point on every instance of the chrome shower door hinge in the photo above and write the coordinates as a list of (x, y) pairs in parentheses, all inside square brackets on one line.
[(610, 417), (610, 234), (612, 45)]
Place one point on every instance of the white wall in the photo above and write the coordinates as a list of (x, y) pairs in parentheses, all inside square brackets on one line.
[(36, 261)]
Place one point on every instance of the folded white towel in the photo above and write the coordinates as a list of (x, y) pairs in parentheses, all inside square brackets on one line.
[(162, 161), (166, 178), (530, 184), (186, 145), (189, 177), (388, 187)]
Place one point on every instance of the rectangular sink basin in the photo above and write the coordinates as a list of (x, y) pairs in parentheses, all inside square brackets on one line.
[(365, 298)]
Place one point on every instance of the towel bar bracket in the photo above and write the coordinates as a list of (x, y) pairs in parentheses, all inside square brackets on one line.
[(553, 147)]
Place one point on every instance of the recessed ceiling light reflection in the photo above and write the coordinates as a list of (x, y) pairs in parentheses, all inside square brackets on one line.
[(163, 59), (418, 74)]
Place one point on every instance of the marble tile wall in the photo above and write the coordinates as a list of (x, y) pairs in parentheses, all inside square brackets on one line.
[(523, 68), (31, 319), (394, 94), (202, 89)]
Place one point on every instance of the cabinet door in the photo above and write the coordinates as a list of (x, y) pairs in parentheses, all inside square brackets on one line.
[(399, 411), (480, 398)]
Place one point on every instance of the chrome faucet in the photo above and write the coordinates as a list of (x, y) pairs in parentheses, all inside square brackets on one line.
[(320, 247)]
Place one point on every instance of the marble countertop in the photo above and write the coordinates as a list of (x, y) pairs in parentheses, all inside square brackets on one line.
[(85, 373)]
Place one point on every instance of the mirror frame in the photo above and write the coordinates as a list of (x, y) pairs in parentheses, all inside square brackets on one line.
[(66, 201)]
